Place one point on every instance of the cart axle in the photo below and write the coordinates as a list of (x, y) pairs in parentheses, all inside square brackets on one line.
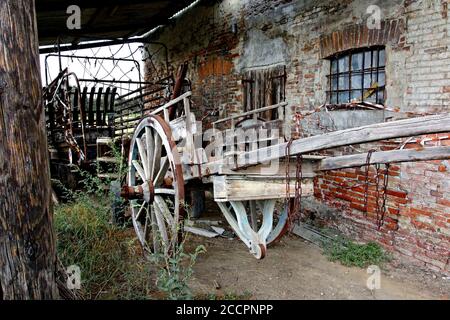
[(145, 191)]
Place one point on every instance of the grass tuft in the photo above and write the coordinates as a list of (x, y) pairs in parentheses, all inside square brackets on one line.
[(351, 254), (106, 254), (110, 257)]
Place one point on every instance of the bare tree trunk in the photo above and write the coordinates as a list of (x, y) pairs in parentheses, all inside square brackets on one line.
[(27, 239)]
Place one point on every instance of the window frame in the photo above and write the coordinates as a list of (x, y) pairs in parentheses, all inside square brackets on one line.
[(373, 69), (258, 83)]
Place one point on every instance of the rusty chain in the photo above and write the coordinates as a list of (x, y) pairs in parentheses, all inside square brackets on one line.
[(298, 190), (381, 210), (294, 210), (366, 187), (288, 178), (381, 188)]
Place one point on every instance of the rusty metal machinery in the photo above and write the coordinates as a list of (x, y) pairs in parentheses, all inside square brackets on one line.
[(60, 108)]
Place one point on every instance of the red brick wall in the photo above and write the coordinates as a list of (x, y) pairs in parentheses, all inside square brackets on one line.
[(415, 34), (417, 219), (359, 36)]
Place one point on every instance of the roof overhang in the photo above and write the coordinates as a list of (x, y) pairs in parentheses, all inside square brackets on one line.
[(103, 19)]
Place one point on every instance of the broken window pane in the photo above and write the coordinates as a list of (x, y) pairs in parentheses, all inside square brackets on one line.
[(372, 98), (375, 79)]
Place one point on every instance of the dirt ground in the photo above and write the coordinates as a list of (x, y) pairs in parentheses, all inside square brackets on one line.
[(296, 269)]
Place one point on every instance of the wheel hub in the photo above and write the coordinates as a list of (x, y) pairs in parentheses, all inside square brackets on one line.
[(145, 191)]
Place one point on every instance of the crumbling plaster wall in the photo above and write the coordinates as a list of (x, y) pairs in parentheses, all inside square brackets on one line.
[(271, 33), (224, 39)]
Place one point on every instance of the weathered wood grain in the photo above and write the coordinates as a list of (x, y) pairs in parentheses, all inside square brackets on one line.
[(394, 156), (370, 133), (243, 188), (27, 239)]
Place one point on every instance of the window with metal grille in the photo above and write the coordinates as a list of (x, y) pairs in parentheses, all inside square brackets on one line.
[(358, 76)]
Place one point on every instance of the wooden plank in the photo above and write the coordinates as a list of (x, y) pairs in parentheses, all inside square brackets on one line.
[(98, 106), (222, 167), (241, 188), (91, 107), (75, 109), (201, 232), (272, 171), (83, 104), (255, 111), (106, 106), (395, 156), (370, 133), (172, 102)]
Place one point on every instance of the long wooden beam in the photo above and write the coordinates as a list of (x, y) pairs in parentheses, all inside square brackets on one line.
[(394, 156), (365, 134)]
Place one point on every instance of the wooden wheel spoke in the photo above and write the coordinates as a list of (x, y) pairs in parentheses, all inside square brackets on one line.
[(150, 143), (156, 244), (140, 211), (165, 191), (164, 209), (143, 156), (139, 169), (144, 236), (162, 172), (156, 155), (161, 227)]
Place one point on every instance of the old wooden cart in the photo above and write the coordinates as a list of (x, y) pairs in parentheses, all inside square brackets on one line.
[(246, 165), (255, 170)]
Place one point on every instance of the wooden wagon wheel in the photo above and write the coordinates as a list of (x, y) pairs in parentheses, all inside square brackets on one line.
[(258, 223), (155, 186)]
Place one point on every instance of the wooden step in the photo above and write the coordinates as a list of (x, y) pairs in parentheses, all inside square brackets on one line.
[(108, 175), (108, 159)]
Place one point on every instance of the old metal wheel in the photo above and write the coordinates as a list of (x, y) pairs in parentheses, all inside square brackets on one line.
[(155, 169)]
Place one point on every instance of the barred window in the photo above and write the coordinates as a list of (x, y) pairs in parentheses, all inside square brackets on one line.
[(358, 76)]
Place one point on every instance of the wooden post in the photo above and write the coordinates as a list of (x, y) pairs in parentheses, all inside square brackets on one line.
[(27, 238)]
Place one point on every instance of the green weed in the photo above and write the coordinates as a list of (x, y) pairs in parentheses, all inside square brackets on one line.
[(352, 254), (111, 260)]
